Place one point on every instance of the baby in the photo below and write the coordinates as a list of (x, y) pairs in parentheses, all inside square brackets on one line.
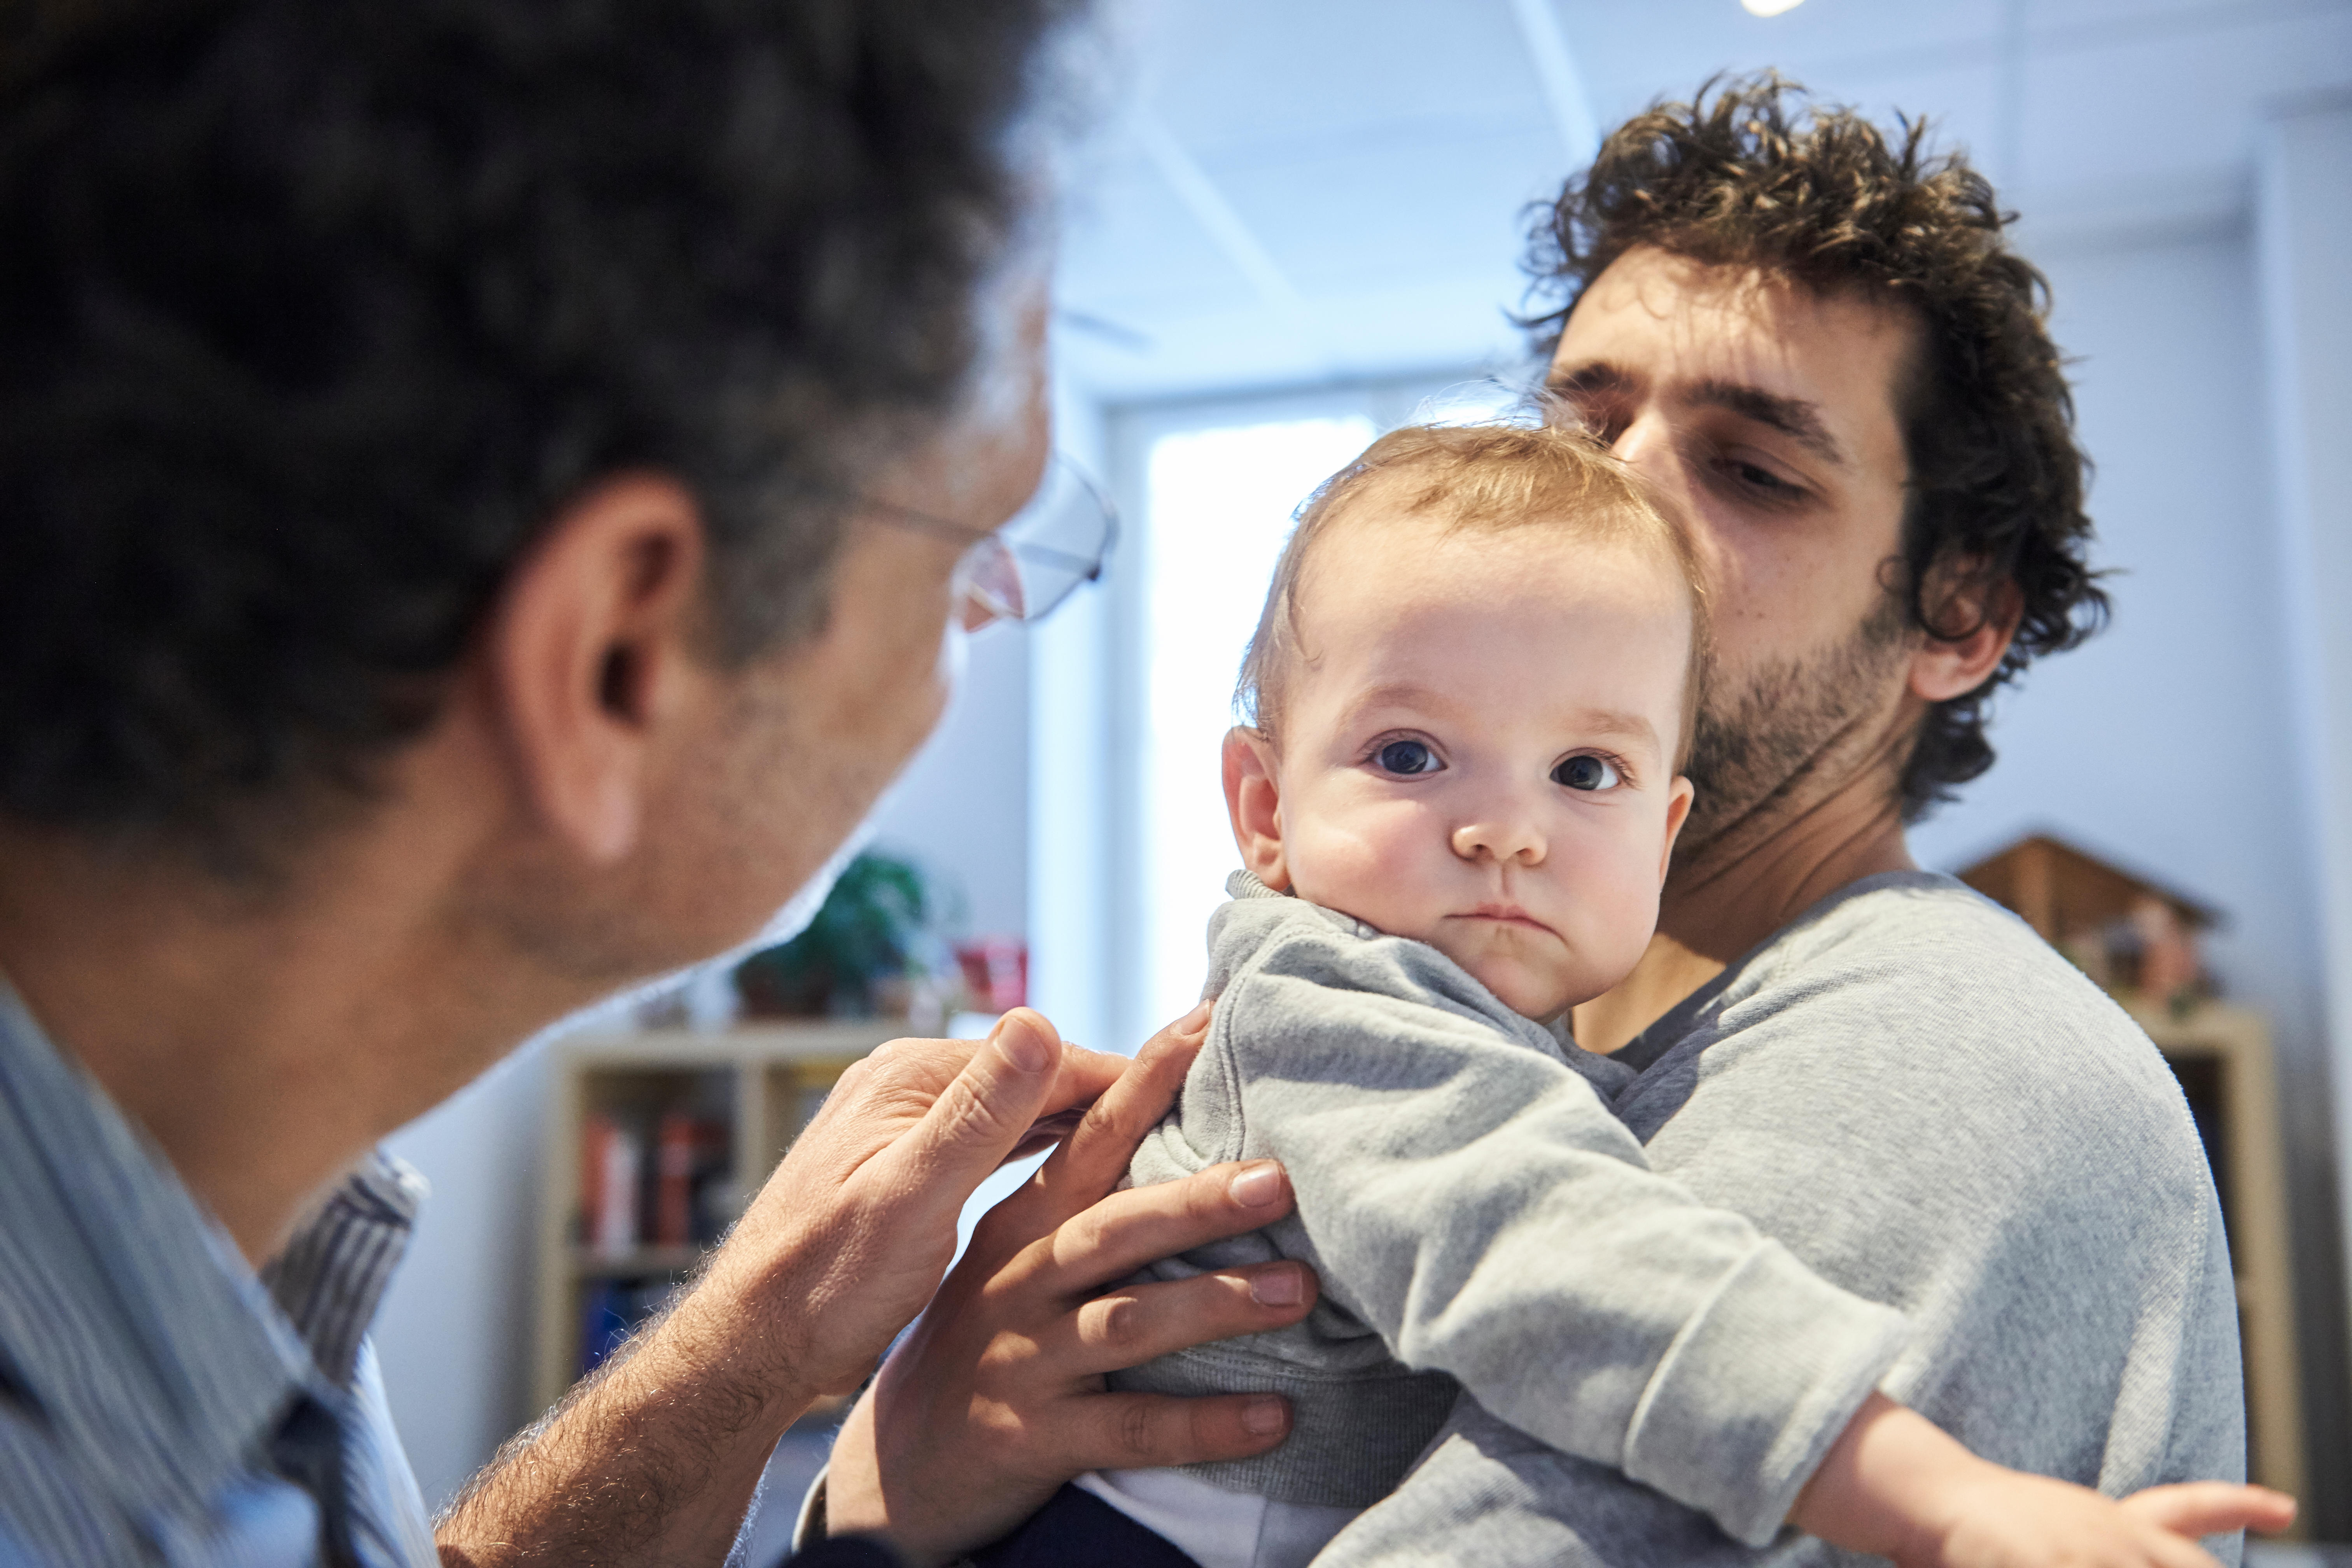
[(1472, 690)]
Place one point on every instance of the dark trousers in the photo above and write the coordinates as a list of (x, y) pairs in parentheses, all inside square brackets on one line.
[(1075, 1530), (844, 1552)]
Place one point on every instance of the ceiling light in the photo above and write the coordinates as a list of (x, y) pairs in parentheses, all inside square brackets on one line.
[(1768, 8)]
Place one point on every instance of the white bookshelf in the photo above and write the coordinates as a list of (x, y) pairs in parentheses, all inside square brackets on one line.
[(761, 1080)]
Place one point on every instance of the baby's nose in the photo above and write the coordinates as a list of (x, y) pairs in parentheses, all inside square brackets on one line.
[(1500, 839)]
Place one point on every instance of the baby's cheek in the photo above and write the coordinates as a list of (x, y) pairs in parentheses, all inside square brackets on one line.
[(1364, 868), (1620, 913)]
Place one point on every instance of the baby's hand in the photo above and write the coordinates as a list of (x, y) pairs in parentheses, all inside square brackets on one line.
[(1894, 1485), (2003, 1519)]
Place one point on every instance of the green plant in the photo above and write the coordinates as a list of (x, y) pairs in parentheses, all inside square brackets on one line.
[(873, 928)]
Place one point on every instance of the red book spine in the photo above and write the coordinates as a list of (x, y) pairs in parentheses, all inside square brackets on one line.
[(674, 1180)]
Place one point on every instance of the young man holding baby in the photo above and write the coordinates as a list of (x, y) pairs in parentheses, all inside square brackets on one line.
[(485, 502), (1816, 346)]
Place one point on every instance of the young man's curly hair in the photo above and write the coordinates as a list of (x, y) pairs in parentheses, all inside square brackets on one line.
[(1748, 174)]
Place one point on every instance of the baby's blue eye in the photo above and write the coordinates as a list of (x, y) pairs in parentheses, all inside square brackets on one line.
[(1407, 757), (1586, 772)]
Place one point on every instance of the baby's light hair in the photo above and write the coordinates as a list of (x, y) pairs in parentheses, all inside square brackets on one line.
[(1486, 477)]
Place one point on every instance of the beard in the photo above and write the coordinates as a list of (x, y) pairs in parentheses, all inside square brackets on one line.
[(1756, 743)]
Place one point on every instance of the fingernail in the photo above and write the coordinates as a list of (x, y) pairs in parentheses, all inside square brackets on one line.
[(1264, 1417), (1276, 1288), (1257, 1187), (1193, 1022), (1022, 1045)]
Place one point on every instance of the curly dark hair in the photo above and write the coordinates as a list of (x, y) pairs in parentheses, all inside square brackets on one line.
[(312, 312), (1748, 174)]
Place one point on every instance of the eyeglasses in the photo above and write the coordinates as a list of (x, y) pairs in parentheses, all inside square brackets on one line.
[(1023, 569)]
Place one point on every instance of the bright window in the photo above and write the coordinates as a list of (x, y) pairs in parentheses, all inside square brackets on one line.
[(1219, 503)]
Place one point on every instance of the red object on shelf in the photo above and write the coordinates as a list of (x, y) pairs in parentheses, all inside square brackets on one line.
[(674, 1180), (995, 972)]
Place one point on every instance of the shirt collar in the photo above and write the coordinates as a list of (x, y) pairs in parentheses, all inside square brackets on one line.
[(126, 1312), (333, 1271), (1245, 885)]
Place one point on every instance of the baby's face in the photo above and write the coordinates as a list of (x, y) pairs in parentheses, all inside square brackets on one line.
[(1478, 748)]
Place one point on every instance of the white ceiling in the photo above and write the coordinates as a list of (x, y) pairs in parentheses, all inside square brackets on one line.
[(1287, 192)]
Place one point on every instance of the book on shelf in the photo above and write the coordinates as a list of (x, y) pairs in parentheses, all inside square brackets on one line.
[(672, 1190), (691, 1162), (609, 1161)]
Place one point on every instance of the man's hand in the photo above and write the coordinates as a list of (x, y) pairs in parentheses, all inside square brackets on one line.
[(1895, 1485), (849, 1238), (654, 1458), (997, 1397)]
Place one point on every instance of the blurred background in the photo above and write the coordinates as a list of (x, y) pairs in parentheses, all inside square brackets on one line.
[(1297, 222)]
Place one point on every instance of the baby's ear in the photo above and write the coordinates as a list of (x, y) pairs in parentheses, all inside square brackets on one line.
[(1679, 804), (1254, 801)]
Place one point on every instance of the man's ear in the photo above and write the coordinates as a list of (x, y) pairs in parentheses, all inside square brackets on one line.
[(591, 648), (1984, 611), (1254, 801), (1678, 805)]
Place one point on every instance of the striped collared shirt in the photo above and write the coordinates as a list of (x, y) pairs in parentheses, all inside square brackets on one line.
[(159, 1402)]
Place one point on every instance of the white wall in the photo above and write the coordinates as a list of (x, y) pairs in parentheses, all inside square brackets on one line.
[(2304, 233), (453, 1332), (1070, 772), (2168, 740), (962, 808)]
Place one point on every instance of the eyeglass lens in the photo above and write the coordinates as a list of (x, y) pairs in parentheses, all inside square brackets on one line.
[(1052, 545)]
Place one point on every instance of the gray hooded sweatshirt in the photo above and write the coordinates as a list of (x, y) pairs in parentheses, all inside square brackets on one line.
[(1481, 1220), (1930, 1107)]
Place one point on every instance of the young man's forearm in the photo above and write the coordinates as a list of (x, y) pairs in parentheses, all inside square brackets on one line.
[(653, 1460)]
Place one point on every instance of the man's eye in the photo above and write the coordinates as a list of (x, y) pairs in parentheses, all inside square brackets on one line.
[(1755, 476), (1406, 757), (1586, 772)]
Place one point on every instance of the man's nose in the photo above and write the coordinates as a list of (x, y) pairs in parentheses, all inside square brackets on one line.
[(1647, 446), (1502, 837), (1652, 448)]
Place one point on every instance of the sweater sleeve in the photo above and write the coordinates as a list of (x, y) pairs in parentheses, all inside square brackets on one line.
[(1468, 1196)]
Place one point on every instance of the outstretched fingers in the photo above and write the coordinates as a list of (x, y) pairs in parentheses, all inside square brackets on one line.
[(2194, 1509)]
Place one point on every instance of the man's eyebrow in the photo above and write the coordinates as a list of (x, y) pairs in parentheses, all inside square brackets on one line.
[(1793, 417), (1596, 376)]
